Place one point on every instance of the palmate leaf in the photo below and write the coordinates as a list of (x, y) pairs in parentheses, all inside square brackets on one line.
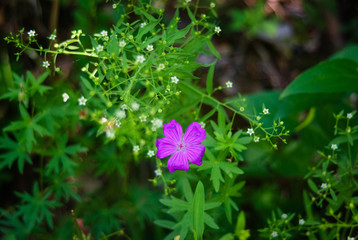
[(15, 151), (61, 161), (191, 214), (28, 127), (36, 207)]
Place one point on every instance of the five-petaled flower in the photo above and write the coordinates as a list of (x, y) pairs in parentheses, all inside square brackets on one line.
[(122, 44), (31, 33), (265, 111), (334, 146), (174, 79), (150, 47), (349, 115), (217, 29), (140, 59), (136, 148), (274, 234), (250, 131), (228, 84), (104, 33), (256, 139), (82, 101), (301, 221), (150, 153), (182, 148), (45, 64), (158, 172), (324, 185)]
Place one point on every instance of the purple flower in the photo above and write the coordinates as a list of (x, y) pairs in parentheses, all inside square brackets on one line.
[(182, 148)]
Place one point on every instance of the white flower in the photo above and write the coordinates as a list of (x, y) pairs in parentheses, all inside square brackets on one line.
[(212, 5), (228, 84), (202, 125), (124, 106), (143, 24), (174, 79), (110, 133), (187, 1), (118, 123), (135, 106), (157, 123), (120, 114), (349, 115), (122, 44), (140, 59), (274, 234), (265, 111), (161, 66), (104, 33), (250, 131), (31, 33), (158, 172), (167, 90), (143, 118), (136, 148), (150, 47), (104, 120), (284, 216), (45, 64), (301, 221), (242, 109), (256, 139), (258, 118), (65, 97), (217, 29), (114, 6), (52, 37), (150, 153), (350, 238), (324, 185), (82, 101), (99, 48), (334, 146)]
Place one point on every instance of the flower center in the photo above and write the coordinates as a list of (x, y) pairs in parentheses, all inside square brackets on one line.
[(181, 146)]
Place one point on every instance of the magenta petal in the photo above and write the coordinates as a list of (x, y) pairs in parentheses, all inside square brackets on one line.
[(195, 153), (178, 162), (165, 147), (194, 134), (173, 131)]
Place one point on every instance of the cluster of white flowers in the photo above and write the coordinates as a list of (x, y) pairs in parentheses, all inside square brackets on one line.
[(143, 24), (120, 114), (156, 123), (135, 106)]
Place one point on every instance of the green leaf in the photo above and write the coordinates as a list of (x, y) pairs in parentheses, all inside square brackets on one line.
[(216, 177), (198, 210), (331, 76), (213, 49), (349, 52), (14, 152)]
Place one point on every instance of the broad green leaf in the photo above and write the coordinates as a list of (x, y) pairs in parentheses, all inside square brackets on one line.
[(331, 76), (349, 52), (198, 210)]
